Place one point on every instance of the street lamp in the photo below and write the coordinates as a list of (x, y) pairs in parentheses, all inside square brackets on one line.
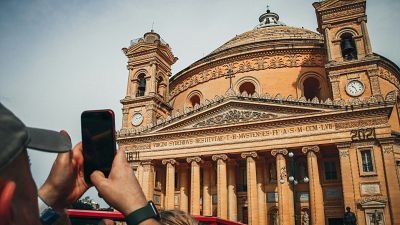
[(292, 179)]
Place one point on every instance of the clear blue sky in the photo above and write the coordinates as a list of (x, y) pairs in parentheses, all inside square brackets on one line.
[(58, 58)]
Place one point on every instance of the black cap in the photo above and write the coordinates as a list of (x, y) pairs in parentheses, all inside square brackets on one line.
[(15, 137)]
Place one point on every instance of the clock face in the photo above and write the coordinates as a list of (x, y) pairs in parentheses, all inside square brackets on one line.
[(355, 88), (137, 119)]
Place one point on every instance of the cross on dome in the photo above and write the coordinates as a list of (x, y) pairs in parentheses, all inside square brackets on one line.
[(269, 19)]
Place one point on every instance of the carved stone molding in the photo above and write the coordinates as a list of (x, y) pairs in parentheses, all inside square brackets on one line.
[(235, 116), (245, 155), (147, 165), (169, 161), (343, 153), (387, 149), (219, 157), (363, 144), (240, 66), (306, 149), (343, 146), (193, 159), (380, 199), (282, 151)]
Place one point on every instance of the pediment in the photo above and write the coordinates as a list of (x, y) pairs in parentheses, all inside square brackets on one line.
[(337, 4), (237, 112), (141, 48)]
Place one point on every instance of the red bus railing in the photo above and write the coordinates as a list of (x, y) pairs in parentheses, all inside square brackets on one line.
[(92, 217)]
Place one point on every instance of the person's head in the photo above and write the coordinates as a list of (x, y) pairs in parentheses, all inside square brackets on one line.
[(176, 217), (18, 192), (348, 209)]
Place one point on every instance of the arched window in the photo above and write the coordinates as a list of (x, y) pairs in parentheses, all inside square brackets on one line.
[(142, 85), (348, 46), (195, 100), (247, 87), (311, 87)]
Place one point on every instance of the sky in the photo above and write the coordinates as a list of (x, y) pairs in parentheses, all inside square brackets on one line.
[(59, 58)]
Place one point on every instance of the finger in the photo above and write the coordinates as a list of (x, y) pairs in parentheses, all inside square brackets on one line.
[(78, 153), (65, 133), (97, 178), (120, 159)]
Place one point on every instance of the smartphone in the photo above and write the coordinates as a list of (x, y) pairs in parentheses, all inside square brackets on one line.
[(98, 140)]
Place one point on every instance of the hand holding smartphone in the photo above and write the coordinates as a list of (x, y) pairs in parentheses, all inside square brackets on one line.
[(98, 140)]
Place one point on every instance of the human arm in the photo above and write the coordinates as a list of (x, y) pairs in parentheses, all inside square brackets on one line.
[(121, 189)]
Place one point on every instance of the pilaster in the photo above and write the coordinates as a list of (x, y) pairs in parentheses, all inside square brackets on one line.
[(207, 198), (148, 179), (347, 181), (392, 181), (316, 195), (170, 183), (285, 194), (183, 187), (222, 189), (194, 185), (232, 195), (252, 197)]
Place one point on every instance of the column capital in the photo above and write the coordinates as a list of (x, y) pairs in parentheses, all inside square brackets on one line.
[(193, 159), (386, 141), (245, 155), (147, 163), (169, 161), (307, 149), (218, 157), (282, 151)]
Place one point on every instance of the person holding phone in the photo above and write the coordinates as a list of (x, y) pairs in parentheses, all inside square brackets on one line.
[(21, 203)]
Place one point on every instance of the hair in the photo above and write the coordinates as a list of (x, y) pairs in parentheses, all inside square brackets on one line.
[(176, 217)]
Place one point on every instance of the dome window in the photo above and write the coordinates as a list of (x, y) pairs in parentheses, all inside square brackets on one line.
[(195, 100), (348, 47), (142, 85), (247, 87), (311, 87)]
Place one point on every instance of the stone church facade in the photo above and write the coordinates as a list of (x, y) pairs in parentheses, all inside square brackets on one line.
[(280, 125)]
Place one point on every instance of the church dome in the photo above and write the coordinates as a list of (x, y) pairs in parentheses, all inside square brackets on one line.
[(270, 34)]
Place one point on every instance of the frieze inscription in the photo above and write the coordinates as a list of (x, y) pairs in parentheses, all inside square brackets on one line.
[(242, 136)]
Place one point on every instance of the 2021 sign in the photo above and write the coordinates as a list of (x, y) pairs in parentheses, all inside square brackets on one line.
[(363, 134)]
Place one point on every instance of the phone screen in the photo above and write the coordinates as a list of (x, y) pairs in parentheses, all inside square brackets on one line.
[(98, 140)]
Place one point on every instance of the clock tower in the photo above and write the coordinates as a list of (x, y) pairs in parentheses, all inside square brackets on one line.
[(352, 66), (149, 65)]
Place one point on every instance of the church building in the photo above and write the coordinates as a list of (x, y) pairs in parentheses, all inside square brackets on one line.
[(279, 125)]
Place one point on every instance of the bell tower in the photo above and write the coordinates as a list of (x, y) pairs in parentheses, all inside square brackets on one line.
[(149, 65), (352, 67)]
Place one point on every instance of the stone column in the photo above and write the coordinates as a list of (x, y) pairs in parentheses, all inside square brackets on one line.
[(328, 44), (374, 79), (222, 210), (194, 185), (285, 194), (207, 198), (252, 197), (262, 197), (169, 183), (183, 188), (148, 180), (347, 179), (334, 79), (392, 182), (316, 195), (367, 41), (232, 198), (139, 172), (151, 85)]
